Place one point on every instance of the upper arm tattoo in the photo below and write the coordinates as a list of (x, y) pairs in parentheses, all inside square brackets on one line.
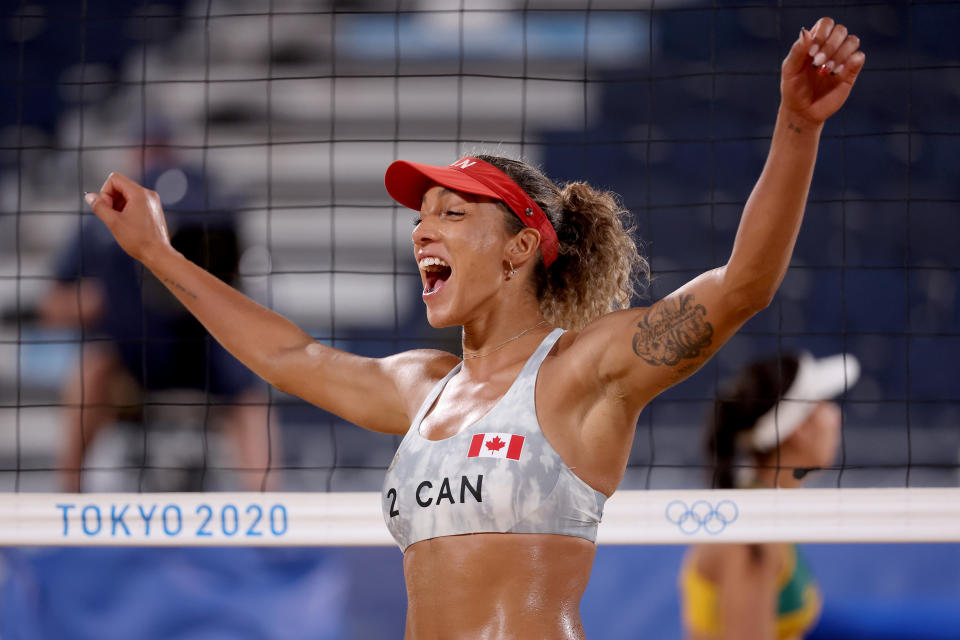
[(673, 330)]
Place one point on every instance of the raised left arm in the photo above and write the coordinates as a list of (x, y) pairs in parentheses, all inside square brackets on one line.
[(641, 352), (812, 89)]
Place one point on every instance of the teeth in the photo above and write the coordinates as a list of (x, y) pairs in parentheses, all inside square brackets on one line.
[(432, 262)]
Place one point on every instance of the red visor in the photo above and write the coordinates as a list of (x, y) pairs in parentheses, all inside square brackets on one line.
[(407, 182)]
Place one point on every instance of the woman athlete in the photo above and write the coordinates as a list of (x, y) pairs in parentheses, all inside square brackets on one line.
[(777, 416), (519, 443)]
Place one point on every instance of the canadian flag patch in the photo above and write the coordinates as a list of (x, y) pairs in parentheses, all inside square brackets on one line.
[(496, 445)]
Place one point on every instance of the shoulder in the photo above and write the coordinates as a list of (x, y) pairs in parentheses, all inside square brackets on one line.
[(415, 372), (595, 339), (419, 367), (430, 361), (588, 351)]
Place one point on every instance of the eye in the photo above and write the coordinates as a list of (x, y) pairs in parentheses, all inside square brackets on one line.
[(416, 221), (456, 213)]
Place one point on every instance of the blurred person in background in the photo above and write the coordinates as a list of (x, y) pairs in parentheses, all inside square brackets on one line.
[(532, 427), (772, 424), (140, 345)]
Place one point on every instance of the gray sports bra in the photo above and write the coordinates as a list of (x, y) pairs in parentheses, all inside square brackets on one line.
[(498, 475)]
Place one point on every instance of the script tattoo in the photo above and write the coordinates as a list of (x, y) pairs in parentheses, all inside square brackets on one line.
[(179, 287), (672, 330)]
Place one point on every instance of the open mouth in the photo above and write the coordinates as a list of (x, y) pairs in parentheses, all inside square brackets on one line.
[(436, 272)]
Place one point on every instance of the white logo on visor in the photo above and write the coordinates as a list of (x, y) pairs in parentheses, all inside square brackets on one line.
[(463, 164)]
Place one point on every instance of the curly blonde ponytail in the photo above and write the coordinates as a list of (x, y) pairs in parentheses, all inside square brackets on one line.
[(598, 266)]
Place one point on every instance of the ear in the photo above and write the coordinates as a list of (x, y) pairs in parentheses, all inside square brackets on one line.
[(522, 247)]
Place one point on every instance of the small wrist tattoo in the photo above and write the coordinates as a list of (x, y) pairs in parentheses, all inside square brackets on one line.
[(179, 287), (794, 127)]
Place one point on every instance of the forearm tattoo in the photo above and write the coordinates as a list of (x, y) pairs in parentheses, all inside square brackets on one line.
[(794, 128), (673, 330), (173, 284)]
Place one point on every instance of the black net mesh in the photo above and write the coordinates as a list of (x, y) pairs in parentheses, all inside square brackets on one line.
[(266, 128)]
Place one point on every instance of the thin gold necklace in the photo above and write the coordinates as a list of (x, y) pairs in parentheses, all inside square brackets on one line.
[(467, 356)]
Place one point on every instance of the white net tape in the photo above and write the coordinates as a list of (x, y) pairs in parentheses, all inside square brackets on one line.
[(353, 518)]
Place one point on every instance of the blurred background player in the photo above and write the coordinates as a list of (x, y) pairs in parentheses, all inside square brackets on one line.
[(146, 362), (772, 423)]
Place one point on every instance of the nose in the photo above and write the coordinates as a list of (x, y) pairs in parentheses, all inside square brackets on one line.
[(424, 232)]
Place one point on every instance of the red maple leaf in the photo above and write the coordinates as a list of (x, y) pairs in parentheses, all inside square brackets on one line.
[(496, 444)]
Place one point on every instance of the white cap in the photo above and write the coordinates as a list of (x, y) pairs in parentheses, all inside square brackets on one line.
[(817, 380)]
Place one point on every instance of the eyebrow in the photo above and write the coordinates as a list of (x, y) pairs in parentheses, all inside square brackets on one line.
[(444, 191)]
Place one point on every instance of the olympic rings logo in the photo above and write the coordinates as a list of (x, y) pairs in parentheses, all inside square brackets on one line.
[(702, 515)]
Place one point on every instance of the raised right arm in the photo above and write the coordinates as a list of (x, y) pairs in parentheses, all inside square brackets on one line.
[(377, 394)]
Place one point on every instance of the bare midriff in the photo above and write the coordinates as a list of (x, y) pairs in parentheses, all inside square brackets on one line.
[(495, 586)]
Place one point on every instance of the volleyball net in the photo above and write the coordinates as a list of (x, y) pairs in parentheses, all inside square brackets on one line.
[(266, 127)]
